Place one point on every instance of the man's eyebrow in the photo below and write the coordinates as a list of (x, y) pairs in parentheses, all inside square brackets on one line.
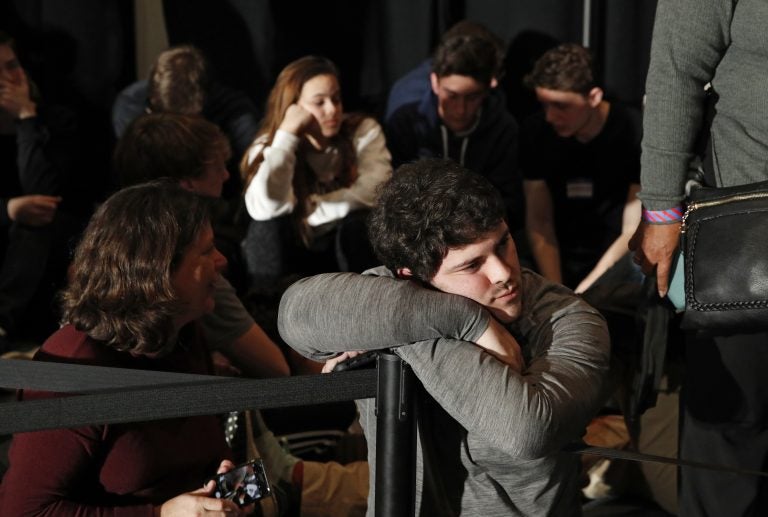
[(454, 92), (465, 263)]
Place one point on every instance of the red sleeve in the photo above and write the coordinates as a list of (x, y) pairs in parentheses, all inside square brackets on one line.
[(52, 471)]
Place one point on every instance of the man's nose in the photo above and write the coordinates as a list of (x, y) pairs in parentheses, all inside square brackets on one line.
[(498, 270), (219, 261), (549, 115), (461, 107)]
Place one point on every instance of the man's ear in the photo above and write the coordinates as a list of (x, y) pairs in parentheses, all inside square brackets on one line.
[(435, 82), (494, 82), (404, 272), (595, 96)]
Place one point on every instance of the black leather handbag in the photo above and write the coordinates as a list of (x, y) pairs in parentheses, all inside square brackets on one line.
[(725, 243)]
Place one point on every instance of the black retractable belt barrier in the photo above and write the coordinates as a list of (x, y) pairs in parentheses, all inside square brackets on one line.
[(103, 395), (395, 438), (117, 395)]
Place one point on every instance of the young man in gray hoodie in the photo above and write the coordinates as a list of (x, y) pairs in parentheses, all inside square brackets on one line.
[(513, 364)]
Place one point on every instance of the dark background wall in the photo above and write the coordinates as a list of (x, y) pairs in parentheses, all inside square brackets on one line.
[(82, 51)]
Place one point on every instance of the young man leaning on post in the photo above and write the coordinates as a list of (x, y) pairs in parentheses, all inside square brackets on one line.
[(513, 363)]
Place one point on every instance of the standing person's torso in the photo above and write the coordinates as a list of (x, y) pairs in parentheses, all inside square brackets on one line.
[(739, 133)]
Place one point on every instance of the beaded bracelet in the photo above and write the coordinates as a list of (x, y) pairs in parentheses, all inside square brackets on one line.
[(670, 215)]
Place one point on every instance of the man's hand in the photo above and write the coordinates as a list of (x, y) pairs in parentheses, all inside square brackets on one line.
[(330, 364), (497, 341), (15, 99), (34, 210), (654, 245)]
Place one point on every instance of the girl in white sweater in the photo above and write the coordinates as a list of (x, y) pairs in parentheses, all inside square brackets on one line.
[(310, 176)]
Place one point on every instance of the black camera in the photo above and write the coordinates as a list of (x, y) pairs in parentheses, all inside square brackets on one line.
[(243, 484)]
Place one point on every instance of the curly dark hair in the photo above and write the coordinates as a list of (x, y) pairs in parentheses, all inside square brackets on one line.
[(427, 208), (120, 289), (172, 145), (565, 68)]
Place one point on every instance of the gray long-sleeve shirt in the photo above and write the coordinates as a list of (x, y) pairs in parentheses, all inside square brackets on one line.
[(489, 440), (724, 42)]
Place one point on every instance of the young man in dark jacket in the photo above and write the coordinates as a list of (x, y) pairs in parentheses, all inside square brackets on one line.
[(463, 119)]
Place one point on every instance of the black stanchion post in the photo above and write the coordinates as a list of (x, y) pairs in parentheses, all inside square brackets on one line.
[(395, 438)]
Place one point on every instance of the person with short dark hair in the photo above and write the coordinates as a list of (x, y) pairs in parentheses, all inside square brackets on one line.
[(414, 85), (45, 199), (141, 277), (463, 118), (581, 168), (513, 364), (186, 148)]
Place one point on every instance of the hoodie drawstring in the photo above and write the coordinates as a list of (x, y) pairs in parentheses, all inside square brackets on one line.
[(464, 143)]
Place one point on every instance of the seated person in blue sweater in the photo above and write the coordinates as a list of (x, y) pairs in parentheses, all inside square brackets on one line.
[(181, 81), (513, 364), (463, 118), (580, 159)]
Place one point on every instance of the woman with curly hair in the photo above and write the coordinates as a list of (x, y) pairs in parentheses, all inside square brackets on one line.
[(310, 176), (141, 277)]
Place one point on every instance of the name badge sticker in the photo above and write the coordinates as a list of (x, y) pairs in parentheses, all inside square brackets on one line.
[(579, 188)]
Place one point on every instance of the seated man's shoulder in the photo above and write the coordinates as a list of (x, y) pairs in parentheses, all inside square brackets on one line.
[(382, 271), (495, 114), (408, 114), (543, 299)]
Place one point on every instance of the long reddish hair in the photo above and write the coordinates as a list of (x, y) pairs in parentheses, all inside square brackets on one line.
[(285, 92)]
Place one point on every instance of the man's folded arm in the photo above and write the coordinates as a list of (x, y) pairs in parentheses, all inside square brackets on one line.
[(527, 415), (323, 315)]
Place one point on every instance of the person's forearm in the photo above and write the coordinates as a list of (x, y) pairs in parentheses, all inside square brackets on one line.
[(270, 193), (40, 159), (257, 355), (330, 313), (527, 415), (546, 253), (615, 251), (688, 43)]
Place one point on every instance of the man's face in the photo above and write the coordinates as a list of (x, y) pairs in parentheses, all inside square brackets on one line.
[(486, 271), (10, 68), (211, 181), (569, 113), (194, 278), (459, 98)]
